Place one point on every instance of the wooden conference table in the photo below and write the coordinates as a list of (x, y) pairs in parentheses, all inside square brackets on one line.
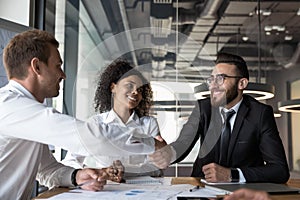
[(187, 180)]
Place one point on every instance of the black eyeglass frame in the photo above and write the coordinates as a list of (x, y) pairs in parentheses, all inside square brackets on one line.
[(218, 81)]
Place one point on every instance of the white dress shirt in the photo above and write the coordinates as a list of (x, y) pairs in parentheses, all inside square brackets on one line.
[(111, 122), (231, 121), (27, 125)]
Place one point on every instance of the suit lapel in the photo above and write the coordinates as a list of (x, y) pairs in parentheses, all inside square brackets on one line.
[(242, 112)]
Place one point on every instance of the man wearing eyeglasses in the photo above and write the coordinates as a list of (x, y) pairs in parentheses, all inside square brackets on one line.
[(239, 140)]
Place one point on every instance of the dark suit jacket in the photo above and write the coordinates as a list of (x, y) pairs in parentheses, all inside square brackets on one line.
[(255, 145)]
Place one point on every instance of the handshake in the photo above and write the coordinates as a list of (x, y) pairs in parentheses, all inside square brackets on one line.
[(95, 179), (163, 154)]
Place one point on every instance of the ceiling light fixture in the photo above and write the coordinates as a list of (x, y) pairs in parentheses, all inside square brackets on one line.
[(277, 114), (264, 12), (268, 28), (289, 106), (274, 28), (259, 91), (245, 38), (288, 37)]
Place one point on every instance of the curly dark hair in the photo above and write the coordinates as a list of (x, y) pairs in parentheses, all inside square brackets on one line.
[(114, 72)]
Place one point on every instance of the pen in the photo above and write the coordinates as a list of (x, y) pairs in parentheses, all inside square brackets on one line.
[(195, 188)]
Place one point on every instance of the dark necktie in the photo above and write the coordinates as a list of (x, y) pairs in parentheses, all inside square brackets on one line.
[(225, 136)]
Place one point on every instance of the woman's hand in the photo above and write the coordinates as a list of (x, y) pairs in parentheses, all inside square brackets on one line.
[(115, 171)]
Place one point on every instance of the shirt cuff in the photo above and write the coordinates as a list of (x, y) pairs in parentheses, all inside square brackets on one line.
[(242, 178), (66, 179)]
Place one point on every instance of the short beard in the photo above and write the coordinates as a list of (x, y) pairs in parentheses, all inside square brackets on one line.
[(229, 97), (232, 94)]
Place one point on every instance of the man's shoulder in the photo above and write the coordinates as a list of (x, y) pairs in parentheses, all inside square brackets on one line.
[(204, 101), (252, 102)]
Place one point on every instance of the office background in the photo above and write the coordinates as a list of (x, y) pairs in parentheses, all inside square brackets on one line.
[(174, 44)]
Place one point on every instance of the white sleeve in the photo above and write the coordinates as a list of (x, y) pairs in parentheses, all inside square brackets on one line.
[(28, 119), (154, 128), (73, 160), (52, 173)]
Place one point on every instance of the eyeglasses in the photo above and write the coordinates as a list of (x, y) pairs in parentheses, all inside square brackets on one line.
[(219, 79)]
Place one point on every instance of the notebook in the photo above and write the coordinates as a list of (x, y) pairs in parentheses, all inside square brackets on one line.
[(142, 180), (271, 188)]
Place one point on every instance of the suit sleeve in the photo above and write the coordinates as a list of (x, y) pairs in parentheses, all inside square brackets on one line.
[(188, 135), (275, 168)]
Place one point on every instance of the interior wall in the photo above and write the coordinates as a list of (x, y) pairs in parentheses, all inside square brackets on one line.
[(281, 80), (295, 118)]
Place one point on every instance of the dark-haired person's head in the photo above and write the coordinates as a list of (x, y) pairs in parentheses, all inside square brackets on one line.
[(112, 74), (238, 61), (228, 79)]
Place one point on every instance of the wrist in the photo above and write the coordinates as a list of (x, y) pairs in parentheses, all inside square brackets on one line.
[(234, 175), (73, 177)]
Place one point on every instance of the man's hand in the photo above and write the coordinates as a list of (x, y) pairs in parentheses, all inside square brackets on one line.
[(159, 143), (248, 194), (216, 173), (161, 158), (116, 171), (91, 179)]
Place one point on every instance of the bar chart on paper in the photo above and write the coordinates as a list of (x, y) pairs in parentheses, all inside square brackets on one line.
[(126, 191)]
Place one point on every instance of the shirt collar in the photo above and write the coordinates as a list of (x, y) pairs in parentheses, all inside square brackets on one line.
[(15, 86), (113, 117), (235, 107)]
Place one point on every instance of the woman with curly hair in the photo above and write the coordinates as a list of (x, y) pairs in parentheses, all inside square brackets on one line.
[(138, 100), (123, 99)]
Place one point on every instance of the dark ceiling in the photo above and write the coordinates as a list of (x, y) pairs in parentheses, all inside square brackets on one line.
[(185, 36)]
